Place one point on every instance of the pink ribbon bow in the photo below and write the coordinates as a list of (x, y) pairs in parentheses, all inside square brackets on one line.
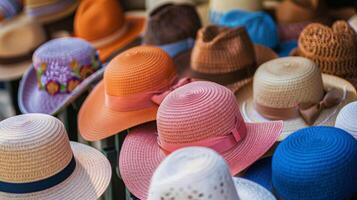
[(159, 97)]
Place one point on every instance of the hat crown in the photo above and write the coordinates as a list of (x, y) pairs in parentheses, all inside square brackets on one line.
[(286, 82), (61, 64), (346, 119), (138, 70), (315, 163), (332, 49), (33, 147), (171, 23), (197, 111), (196, 172), (222, 50), (107, 15)]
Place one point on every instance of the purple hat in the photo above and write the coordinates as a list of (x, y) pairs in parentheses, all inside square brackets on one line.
[(61, 70)]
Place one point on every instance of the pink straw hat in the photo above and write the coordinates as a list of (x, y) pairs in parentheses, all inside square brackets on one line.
[(198, 114)]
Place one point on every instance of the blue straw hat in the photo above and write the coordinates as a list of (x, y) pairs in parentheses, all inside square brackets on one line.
[(314, 163)]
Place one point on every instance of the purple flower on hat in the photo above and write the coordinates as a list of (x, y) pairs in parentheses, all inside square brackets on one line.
[(58, 73)]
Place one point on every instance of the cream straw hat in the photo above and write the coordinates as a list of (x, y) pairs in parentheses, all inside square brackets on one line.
[(353, 22), (346, 119), (292, 89), (200, 173), (38, 162)]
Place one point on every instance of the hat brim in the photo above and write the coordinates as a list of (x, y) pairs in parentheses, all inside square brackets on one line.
[(46, 19), (141, 155), (14, 71), (96, 121), (248, 190), (326, 118), (89, 180), (33, 100), (135, 28)]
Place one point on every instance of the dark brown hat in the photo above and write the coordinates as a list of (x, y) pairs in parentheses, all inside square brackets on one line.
[(226, 56)]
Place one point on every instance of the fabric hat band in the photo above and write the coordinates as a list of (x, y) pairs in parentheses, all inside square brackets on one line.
[(145, 99), (226, 78), (175, 48), (220, 144), (17, 59), (21, 188), (111, 38)]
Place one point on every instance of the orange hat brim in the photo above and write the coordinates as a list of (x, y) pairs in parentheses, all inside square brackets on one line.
[(96, 121)]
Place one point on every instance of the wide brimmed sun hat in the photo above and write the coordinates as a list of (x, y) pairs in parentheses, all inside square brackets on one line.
[(200, 113), (201, 173), (113, 28), (346, 119), (294, 90), (19, 37), (135, 82), (226, 56), (38, 162), (315, 163), (62, 69)]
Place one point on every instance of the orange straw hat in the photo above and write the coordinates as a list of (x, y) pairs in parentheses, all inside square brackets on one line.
[(135, 82), (112, 30)]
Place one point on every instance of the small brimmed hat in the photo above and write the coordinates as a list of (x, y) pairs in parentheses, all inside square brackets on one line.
[(173, 27), (39, 162), (135, 82), (19, 37), (9, 9), (333, 49), (346, 119), (312, 164), (49, 11), (200, 113), (201, 173), (294, 90), (226, 56), (113, 28), (61, 70)]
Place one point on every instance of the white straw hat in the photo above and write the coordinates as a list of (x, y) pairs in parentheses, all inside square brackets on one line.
[(346, 119), (291, 87), (39, 163), (200, 173)]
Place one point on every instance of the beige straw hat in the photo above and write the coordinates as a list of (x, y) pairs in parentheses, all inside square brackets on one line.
[(292, 89), (19, 37), (38, 162)]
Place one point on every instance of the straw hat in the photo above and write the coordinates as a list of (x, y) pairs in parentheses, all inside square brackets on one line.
[(218, 7), (135, 82), (62, 69), (9, 9), (226, 56), (38, 162), (48, 11), (173, 27), (200, 113), (292, 89), (346, 119), (312, 164), (353, 22), (333, 49), (201, 173), (113, 29), (19, 37)]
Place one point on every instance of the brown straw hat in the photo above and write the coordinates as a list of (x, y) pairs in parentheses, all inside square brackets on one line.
[(333, 49), (226, 56), (294, 90)]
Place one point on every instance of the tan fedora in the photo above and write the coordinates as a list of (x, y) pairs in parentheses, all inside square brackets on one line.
[(19, 37), (294, 90)]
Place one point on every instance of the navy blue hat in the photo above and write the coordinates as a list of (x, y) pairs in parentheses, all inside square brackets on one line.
[(312, 164)]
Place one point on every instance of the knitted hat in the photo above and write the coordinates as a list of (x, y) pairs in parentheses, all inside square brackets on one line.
[(346, 119), (113, 29), (292, 89), (9, 9), (200, 173), (62, 69), (200, 113), (226, 56), (333, 49)]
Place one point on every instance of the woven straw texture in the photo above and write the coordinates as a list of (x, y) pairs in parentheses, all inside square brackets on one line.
[(346, 119), (194, 112), (200, 173), (286, 82), (36, 146), (333, 49), (316, 163)]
